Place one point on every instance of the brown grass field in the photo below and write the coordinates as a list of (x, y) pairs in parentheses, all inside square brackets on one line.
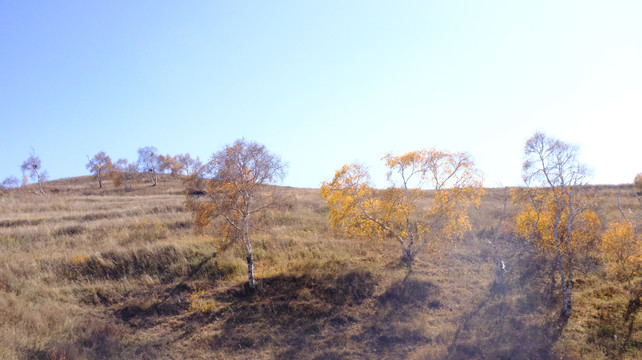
[(104, 274)]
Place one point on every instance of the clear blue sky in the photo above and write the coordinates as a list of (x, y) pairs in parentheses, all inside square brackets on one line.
[(321, 83)]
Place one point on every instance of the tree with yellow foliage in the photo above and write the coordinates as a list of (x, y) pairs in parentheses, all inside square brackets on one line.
[(235, 193), (622, 245), (123, 173), (622, 255), (559, 215), (622, 251), (171, 163), (99, 165), (403, 211), (537, 223), (187, 163)]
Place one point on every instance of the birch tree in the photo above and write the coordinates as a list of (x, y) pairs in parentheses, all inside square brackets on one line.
[(622, 254), (123, 173), (170, 163), (149, 162), (622, 245), (235, 193), (32, 168), (560, 216), (99, 165), (9, 183), (188, 164), (402, 212)]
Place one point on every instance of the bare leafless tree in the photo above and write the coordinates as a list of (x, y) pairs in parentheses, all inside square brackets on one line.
[(32, 168), (9, 183), (236, 193), (149, 162)]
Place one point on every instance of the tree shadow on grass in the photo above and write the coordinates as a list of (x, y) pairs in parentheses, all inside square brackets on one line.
[(310, 317), (145, 310), (303, 313), (395, 327), (613, 327), (512, 322), (319, 318)]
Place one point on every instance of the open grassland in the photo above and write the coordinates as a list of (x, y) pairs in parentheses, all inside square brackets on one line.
[(101, 273)]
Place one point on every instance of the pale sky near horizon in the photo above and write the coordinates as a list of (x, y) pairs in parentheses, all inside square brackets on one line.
[(323, 83)]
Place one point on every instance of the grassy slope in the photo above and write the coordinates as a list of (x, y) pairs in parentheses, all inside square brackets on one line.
[(89, 273)]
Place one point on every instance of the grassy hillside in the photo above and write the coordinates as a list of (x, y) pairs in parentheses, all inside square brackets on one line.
[(101, 273)]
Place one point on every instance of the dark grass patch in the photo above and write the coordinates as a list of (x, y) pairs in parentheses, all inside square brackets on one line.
[(93, 216), (114, 265), (20, 222), (393, 328), (166, 262), (295, 311), (146, 312), (411, 291), (71, 230), (166, 209), (96, 340), (55, 350), (180, 225), (95, 295), (345, 289)]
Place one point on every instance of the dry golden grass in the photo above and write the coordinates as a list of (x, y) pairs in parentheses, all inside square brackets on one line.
[(101, 273)]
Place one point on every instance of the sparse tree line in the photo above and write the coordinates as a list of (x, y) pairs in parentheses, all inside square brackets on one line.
[(558, 214), (424, 208), (150, 163)]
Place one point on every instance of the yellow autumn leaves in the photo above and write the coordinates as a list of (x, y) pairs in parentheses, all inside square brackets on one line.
[(418, 220), (537, 222), (403, 211), (622, 250)]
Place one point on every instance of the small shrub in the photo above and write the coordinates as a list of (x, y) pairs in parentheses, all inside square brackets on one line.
[(606, 331), (78, 259), (200, 305)]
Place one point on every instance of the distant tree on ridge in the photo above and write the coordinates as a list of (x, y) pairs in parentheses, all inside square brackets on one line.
[(99, 165), (32, 168), (123, 173), (149, 162)]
